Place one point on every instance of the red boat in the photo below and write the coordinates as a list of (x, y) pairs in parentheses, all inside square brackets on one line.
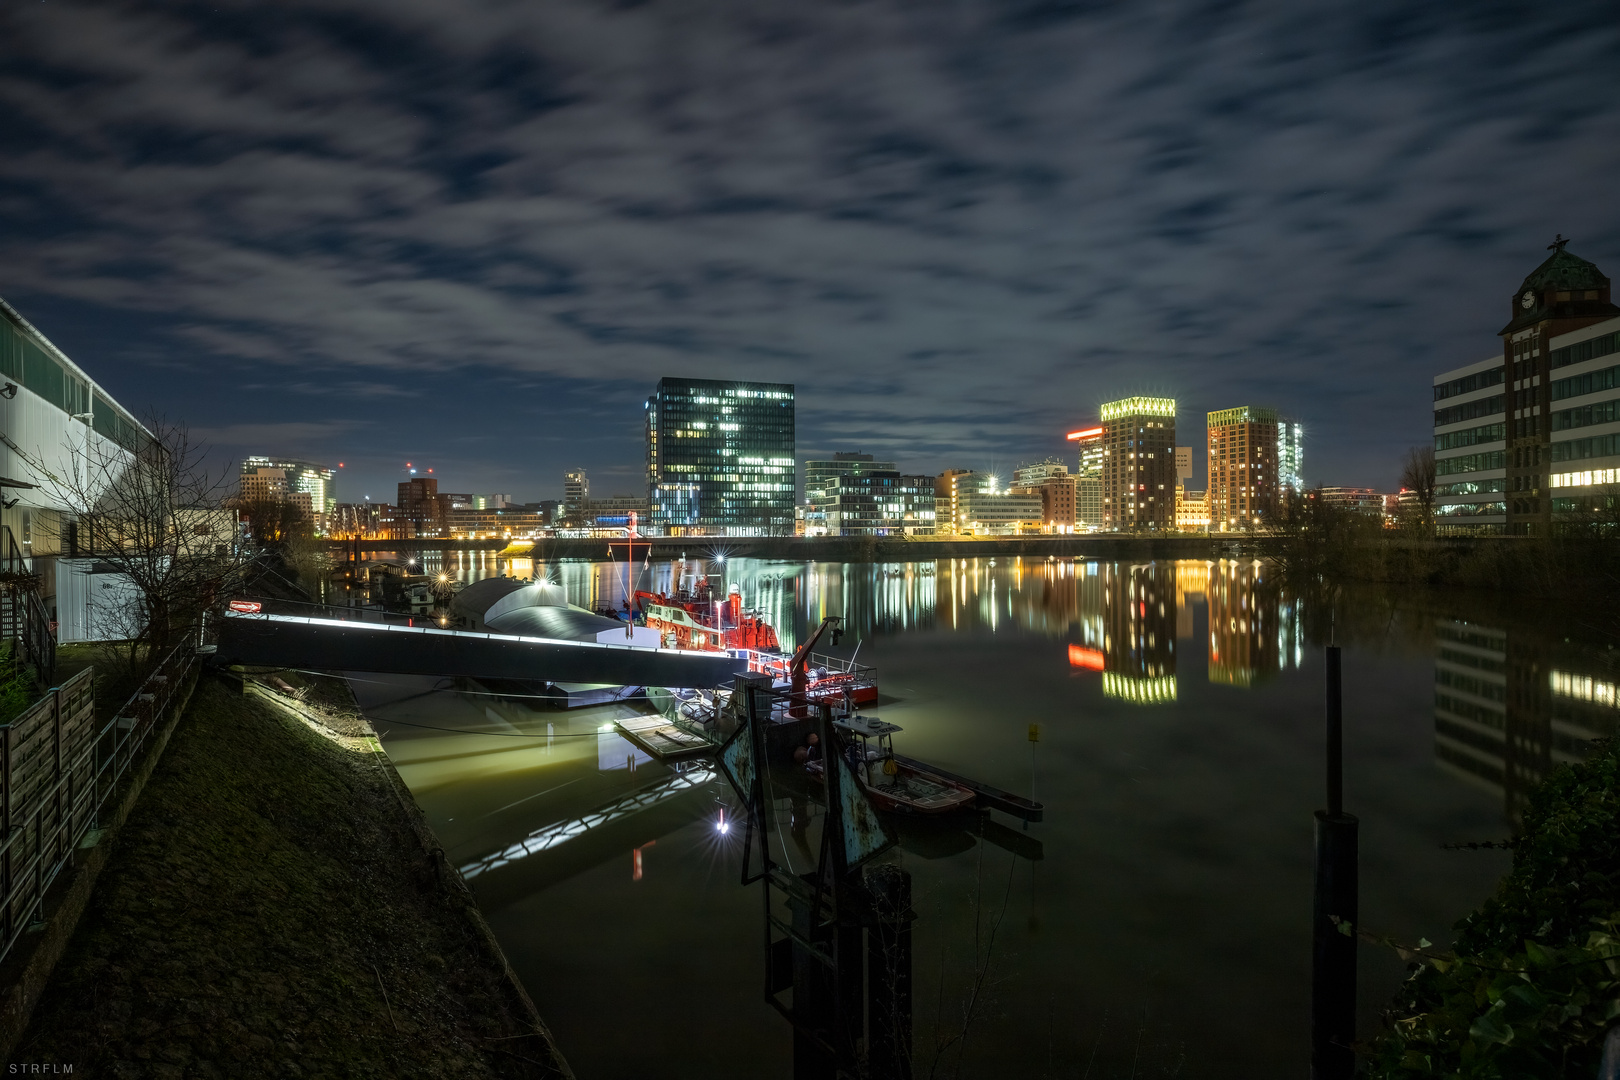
[(696, 619)]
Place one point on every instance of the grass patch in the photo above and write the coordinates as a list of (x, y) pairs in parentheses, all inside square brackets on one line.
[(264, 894)]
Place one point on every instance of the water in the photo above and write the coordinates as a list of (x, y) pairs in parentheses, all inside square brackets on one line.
[(1164, 930)]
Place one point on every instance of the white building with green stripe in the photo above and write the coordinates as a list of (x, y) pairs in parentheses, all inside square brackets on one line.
[(53, 418)]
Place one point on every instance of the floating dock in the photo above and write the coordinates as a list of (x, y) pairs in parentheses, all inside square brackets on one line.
[(661, 738)]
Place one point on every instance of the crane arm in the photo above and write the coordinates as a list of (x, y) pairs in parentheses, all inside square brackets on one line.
[(802, 653)]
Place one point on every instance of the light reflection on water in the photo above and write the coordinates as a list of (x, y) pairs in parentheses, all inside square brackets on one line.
[(1179, 711)]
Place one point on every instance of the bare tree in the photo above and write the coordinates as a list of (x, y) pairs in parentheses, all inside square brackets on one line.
[(153, 512), (1417, 477), (272, 521)]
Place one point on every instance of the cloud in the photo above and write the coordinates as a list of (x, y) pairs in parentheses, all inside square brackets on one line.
[(273, 433), (957, 228)]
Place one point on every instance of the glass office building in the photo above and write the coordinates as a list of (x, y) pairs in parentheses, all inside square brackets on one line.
[(720, 458)]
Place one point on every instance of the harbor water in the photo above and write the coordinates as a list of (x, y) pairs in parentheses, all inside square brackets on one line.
[(1168, 715)]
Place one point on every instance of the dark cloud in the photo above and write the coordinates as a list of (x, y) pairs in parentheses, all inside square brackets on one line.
[(382, 231)]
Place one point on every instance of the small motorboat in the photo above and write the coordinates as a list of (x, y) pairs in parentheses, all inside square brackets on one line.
[(893, 785)]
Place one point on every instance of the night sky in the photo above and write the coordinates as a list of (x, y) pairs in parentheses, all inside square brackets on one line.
[(474, 235)]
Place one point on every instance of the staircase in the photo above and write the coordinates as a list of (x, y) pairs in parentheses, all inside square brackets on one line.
[(24, 622)]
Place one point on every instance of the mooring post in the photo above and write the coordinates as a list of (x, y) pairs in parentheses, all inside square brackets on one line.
[(888, 973), (1334, 916)]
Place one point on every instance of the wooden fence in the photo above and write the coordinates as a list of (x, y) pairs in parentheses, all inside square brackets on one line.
[(59, 769)]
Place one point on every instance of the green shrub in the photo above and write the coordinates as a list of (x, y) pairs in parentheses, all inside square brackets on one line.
[(1534, 983), (17, 692)]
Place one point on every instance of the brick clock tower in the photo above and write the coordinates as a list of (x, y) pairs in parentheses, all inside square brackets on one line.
[(1563, 294)]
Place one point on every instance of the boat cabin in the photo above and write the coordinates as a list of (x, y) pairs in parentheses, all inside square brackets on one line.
[(869, 748)]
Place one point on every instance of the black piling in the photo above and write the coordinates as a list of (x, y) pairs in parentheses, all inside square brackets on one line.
[(888, 973), (1335, 911)]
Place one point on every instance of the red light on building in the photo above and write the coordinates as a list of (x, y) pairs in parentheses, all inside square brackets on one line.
[(246, 607), (1081, 657), (1088, 433)]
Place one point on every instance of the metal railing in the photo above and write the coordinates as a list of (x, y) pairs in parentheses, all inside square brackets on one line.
[(59, 770)]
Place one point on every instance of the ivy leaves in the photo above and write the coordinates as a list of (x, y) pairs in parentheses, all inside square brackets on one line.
[(1535, 982)]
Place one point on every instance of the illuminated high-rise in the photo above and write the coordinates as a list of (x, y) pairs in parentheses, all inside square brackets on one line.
[(721, 458), (1290, 457), (1139, 464), (1088, 499), (311, 487), (1243, 485)]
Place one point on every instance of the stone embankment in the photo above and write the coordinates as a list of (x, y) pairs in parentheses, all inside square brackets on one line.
[(843, 548), (275, 906)]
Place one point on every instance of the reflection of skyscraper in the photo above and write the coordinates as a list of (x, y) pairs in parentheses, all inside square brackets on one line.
[(1139, 632), (1192, 579), (1507, 709), (1253, 634)]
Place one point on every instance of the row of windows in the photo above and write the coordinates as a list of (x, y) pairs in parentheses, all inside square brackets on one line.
[(1451, 440), (1586, 350), (1473, 487), (1590, 383), (1585, 478), (1471, 509), (1469, 711), (1606, 412), (1595, 446), (1584, 504), (723, 466), (1490, 691), (1472, 737), (1477, 638), (1469, 410), (1479, 380), (1467, 463)]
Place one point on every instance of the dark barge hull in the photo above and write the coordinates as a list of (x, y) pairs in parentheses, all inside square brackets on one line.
[(992, 797)]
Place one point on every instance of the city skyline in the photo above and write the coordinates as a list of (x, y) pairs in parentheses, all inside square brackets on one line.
[(384, 234)]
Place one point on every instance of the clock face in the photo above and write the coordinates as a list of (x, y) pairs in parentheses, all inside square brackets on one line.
[(1527, 299)]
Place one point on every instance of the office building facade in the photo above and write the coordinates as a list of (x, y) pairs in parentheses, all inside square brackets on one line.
[(1470, 450), (821, 475), (1290, 458), (1583, 477), (989, 512), (1058, 489), (879, 503), (1353, 500), (821, 479), (1138, 464), (1242, 468), (310, 487), (1531, 437), (1192, 509), (1560, 397), (949, 487), (721, 458), (420, 504)]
